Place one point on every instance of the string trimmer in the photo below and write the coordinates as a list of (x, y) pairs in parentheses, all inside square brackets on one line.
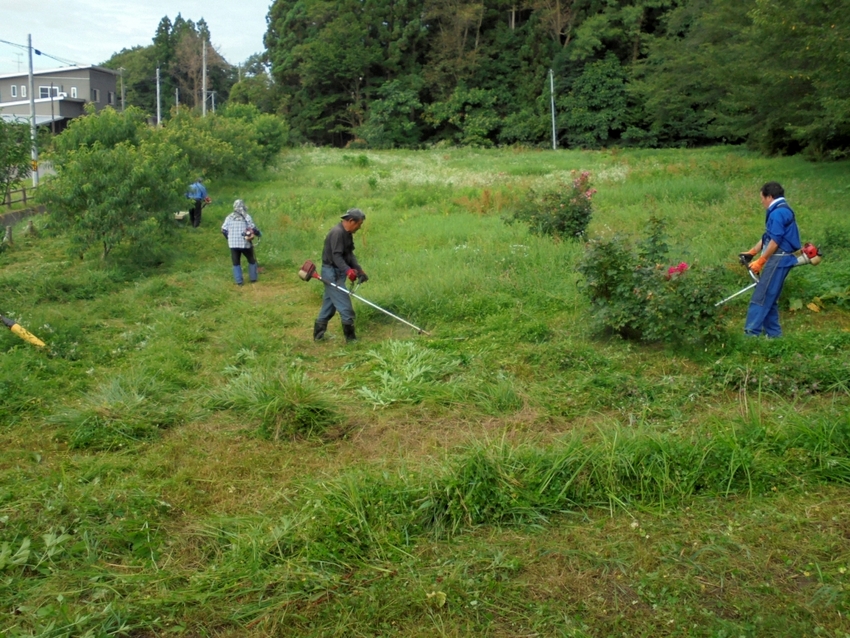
[(810, 254), (22, 332), (308, 272)]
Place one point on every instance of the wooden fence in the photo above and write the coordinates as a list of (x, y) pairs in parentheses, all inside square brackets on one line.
[(19, 196)]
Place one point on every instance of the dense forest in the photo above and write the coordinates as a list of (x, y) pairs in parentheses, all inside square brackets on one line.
[(653, 73)]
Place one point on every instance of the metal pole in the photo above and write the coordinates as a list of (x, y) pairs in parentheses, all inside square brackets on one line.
[(122, 88), (742, 291), (158, 112), (52, 114), (33, 131), (177, 97), (552, 101), (204, 80), (376, 307)]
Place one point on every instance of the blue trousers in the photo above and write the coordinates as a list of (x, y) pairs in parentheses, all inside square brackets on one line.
[(335, 299), (763, 313)]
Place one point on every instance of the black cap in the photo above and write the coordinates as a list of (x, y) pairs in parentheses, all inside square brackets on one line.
[(354, 214)]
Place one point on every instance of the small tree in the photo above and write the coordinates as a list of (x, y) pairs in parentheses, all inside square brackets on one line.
[(104, 196), (107, 127), (15, 153)]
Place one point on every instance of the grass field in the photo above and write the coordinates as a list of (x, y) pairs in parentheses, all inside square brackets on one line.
[(183, 459)]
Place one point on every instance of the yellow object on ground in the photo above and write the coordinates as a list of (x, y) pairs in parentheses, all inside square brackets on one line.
[(22, 332)]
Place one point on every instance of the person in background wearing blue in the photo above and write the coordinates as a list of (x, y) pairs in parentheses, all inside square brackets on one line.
[(198, 194), (240, 231), (780, 240), (339, 263)]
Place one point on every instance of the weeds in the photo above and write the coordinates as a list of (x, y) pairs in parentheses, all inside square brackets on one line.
[(403, 372), (284, 403), (122, 412), (662, 490)]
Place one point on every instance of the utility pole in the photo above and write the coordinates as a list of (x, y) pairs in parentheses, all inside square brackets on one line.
[(52, 114), (158, 108), (204, 81), (552, 100), (212, 96), (121, 69), (33, 132), (177, 98)]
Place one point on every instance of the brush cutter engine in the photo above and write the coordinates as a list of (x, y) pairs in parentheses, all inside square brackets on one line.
[(308, 271), (810, 254)]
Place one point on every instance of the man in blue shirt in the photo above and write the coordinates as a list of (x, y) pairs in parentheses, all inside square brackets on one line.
[(198, 193), (780, 240)]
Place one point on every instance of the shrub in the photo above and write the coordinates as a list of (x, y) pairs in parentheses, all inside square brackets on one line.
[(271, 132), (563, 212), (633, 293)]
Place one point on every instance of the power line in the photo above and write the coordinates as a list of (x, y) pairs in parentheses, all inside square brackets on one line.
[(47, 55)]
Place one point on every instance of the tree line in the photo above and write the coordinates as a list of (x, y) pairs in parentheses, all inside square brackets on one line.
[(626, 72), (177, 51), (409, 73)]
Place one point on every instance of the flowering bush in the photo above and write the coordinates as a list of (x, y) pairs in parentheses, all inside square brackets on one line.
[(634, 295), (676, 270), (563, 212)]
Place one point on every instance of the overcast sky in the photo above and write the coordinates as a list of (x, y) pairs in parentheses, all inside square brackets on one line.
[(88, 32)]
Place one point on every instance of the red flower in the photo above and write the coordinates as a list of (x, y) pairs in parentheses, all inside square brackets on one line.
[(677, 270)]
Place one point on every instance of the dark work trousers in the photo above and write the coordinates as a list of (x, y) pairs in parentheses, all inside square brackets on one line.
[(195, 213), (236, 255)]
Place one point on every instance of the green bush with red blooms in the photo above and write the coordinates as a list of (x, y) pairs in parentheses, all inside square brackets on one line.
[(635, 292), (563, 212)]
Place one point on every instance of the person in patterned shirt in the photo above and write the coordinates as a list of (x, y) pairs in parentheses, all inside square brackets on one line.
[(240, 231)]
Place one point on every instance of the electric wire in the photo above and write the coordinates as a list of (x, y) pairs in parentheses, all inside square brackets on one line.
[(47, 55)]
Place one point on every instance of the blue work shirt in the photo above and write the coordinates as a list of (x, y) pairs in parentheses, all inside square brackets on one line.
[(781, 227), (197, 191)]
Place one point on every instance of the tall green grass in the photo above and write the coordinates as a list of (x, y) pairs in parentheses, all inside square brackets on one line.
[(182, 458), (283, 403)]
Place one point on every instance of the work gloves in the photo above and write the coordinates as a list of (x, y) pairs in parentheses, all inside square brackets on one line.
[(362, 277), (351, 274), (745, 258), (758, 264)]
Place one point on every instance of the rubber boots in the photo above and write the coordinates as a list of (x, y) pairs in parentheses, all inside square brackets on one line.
[(252, 272), (237, 275), (348, 331), (319, 329)]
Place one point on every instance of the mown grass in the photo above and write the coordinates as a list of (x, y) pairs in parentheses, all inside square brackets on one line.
[(184, 459)]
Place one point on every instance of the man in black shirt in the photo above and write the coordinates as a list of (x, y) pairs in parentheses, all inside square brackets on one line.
[(339, 264)]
